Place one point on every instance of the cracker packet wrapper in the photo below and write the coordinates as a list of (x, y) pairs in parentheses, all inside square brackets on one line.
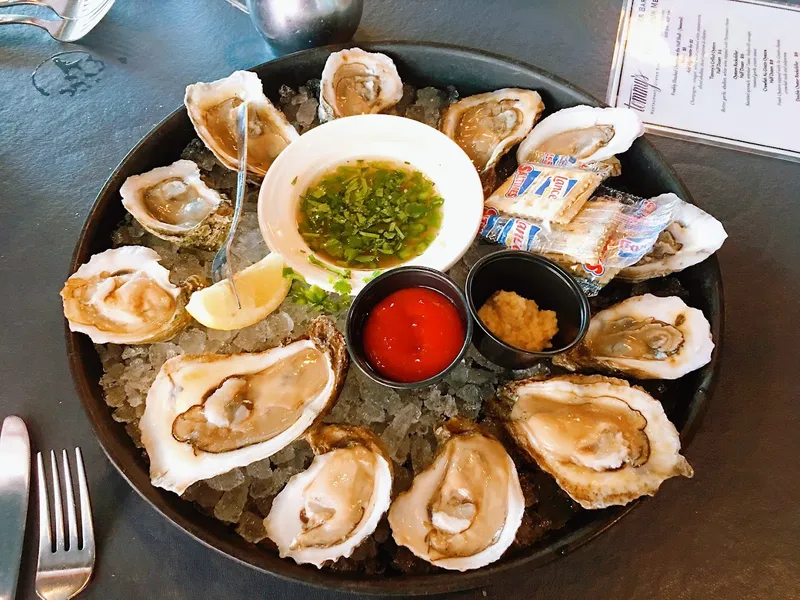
[(549, 188), (612, 231)]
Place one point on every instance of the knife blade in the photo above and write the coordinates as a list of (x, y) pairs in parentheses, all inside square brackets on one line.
[(15, 478)]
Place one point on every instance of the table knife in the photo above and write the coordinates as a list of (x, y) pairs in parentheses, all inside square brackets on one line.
[(15, 475)]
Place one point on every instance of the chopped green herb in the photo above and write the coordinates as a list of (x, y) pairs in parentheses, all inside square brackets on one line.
[(343, 286), (369, 214), (315, 296), (372, 276), (344, 273), (294, 180), (291, 275)]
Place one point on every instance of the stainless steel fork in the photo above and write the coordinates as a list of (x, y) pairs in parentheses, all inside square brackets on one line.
[(67, 9), (66, 559), (63, 30)]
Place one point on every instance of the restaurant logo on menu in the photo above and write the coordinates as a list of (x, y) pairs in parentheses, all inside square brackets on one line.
[(640, 92)]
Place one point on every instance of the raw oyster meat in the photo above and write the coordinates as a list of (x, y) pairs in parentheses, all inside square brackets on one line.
[(603, 441), (486, 126), (206, 414), (329, 509), (463, 511), (213, 109), (124, 296), (647, 337), (693, 236), (174, 204), (588, 133), (355, 82)]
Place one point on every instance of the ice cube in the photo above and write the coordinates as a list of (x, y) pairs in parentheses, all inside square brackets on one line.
[(227, 481), (202, 494), (396, 433), (307, 112), (261, 469), (231, 504), (193, 341), (283, 456), (251, 527)]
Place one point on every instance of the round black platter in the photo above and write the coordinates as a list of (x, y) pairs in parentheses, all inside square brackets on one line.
[(645, 172)]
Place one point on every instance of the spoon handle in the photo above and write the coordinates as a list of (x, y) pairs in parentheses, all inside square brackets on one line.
[(240, 5), (241, 185)]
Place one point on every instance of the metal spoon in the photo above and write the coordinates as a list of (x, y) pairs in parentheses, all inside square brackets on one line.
[(221, 267)]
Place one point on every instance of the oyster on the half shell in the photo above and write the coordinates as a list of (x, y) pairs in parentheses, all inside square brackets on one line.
[(207, 414), (603, 441), (647, 337), (463, 511), (328, 510), (174, 203), (213, 109), (486, 126), (124, 296), (588, 133), (693, 236), (356, 82)]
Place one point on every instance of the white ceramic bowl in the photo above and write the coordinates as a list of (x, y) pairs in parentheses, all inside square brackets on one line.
[(376, 137)]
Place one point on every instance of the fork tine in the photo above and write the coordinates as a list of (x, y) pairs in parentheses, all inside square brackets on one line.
[(72, 521), (86, 508), (58, 511), (45, 537)]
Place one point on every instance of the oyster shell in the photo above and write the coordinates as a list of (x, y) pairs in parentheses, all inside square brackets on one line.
[(124, 296), (603, 441), (355, 82), (207, 414), (174, 204), (486, 126), (646, 337), (327, 511), (693, 236), (588, 133), (212, 107), (463, 511)]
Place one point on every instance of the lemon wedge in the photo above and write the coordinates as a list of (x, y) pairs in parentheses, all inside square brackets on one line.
[(261, 287)]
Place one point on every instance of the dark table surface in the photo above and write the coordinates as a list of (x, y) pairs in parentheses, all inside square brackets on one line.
[(731, 532)]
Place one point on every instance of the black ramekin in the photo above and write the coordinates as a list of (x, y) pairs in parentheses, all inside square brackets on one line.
[(385, 284), (535, 278)]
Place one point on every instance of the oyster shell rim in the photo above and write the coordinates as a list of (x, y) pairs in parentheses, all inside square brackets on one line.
[(448, 432), (157, 436), (579, 358), (208, 234), (549, 126), (328, 112), (508, 396), (449, 121), (180, 293), (366, 438), (253, 90), (643, 272)]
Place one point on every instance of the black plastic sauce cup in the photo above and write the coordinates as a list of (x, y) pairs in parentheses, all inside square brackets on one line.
[(537, 279), (388, 283)]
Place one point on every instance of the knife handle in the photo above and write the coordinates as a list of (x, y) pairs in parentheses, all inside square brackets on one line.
[(15, 467)]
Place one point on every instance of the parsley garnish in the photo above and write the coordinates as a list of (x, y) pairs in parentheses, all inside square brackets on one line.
[(313, 295)]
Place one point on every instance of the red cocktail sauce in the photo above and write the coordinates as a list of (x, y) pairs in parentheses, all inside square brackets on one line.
[(413, 334)]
